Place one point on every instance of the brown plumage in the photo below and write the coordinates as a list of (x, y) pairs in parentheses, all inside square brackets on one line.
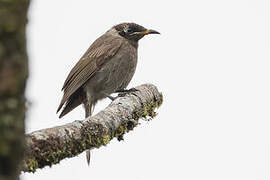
[(98, 53), (106, 67)]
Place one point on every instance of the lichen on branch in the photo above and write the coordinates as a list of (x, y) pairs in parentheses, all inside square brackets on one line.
[(49, 146)]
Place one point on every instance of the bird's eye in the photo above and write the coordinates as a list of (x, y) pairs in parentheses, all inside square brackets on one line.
[(129, 30)]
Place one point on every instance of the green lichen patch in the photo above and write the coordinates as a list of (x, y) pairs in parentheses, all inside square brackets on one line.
[(120, 131), (106, 139), (148, 109), (96, 135), (50, 151), (30, 164)]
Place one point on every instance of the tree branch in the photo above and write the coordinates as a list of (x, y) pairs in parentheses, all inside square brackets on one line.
[(49, 146)]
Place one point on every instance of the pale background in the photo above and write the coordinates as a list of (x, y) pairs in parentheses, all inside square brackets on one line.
[(212, 64)]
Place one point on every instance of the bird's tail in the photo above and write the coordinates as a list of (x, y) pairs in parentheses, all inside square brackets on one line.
[(89, 107), (88, 155)]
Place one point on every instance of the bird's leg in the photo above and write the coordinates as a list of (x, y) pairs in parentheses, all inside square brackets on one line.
[(110, 97)]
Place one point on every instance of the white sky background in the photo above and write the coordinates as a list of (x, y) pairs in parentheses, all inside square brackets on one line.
[(212, 64)]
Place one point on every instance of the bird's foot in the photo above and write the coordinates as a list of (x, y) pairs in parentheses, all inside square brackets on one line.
[(127, 90), (123, 92)]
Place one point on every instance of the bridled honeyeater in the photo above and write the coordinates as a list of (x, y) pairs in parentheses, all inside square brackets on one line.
[(105, 68)]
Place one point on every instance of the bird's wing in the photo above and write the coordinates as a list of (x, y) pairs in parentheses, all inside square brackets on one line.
[(101, 51)]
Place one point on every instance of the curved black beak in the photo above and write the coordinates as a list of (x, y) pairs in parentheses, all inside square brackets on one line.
[(151, 31)]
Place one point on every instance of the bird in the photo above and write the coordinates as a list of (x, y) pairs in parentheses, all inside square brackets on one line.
[(106, 67)]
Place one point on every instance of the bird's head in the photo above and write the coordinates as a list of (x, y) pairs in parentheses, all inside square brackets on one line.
[(133, 31)]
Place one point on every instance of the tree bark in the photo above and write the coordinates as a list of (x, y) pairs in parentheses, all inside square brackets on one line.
[(49, 146), (13, 75)]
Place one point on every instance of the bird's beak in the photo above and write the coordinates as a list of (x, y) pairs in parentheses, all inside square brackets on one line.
[(150, 31)]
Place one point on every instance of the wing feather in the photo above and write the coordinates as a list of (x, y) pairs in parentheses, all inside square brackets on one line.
[(101, 51)]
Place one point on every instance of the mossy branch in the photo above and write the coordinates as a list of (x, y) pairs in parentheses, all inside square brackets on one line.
[(49, 146)]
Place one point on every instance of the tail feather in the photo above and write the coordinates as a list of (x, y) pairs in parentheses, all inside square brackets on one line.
[(77, 98), (73, 101), (89, 106), (88, 155)]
